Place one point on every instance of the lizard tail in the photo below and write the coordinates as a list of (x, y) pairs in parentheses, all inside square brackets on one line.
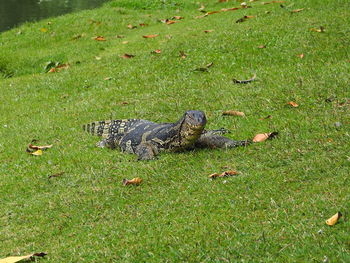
[(99, 128)]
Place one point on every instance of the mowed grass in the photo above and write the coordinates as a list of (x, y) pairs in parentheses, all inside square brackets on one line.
[(274, 211)]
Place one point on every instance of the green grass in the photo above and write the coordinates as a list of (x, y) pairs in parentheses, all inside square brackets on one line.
[(274, 211)]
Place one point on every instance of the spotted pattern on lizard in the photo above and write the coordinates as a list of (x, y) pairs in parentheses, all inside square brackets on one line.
[(146, 139)]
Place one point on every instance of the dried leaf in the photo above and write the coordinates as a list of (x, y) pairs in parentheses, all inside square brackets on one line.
[(131, 26), (125, 42), (212, 12), (334, 219), (99, 38), (233, 113), (301, 55), (134, 181), (170, 22), (262, 46), (150, 36), (183, 55), (108, 78), (208, 31), (58, 68), (19, 258), (273, 2), (230, 9), (297, 10), (56, 175), (177, 17), (244, 19), (127, 56), (244, 81), (34, 147), (264, 136), (143, 24), (318, 30), (224, 174), (157, 51), (293, 104)]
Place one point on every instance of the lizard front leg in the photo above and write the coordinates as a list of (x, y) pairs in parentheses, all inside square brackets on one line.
[(146, 151)]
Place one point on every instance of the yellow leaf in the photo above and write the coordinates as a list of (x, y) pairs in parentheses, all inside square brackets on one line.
[(134, 181), (334, 219), (19, 258), (37, 153), (44, 29)]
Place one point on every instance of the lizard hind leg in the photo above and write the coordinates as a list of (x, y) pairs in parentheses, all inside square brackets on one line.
[(106, 143), (217, 141), (146, 151)]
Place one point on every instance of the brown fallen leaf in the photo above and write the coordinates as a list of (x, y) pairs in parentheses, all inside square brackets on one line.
[(230, 9), (224, 174), (208, 31), (212, 12), (56, 175), (334, 219), (244, 81), (35, 147), (183, 55), (127, 56), (99, 38), (244, 19), (170, 22), (157, 51), (130, 26), (262, 46), (20, 258), (177, 17), (134, 181), (297, 10), (58, 68), (143, 24), (264, 136), (301, 55), (233, 113), (223, 1), (293, 104), (150, 36)]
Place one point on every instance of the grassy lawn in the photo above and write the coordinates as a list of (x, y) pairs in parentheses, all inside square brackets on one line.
[(274, 211)]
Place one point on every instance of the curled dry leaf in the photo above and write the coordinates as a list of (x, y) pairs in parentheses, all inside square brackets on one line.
[(157, 51), (293, 104), (150, 36), (318, 30), (170, 22), (99, 38), (20, 258), (177, 17), (130, 26), (35, 147), (127, 56), (233, 113), (264, 136), (224, 174), (244, 81), (334, 219), (134, 181), (56, 175), (208, 31), (297, 10)]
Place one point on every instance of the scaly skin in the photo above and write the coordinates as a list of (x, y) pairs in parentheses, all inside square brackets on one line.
[(146, 139)]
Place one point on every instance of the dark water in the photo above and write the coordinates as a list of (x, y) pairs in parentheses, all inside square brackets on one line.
[(16, 12)]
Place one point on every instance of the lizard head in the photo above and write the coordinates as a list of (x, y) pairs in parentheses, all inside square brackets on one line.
[(193, 123)]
